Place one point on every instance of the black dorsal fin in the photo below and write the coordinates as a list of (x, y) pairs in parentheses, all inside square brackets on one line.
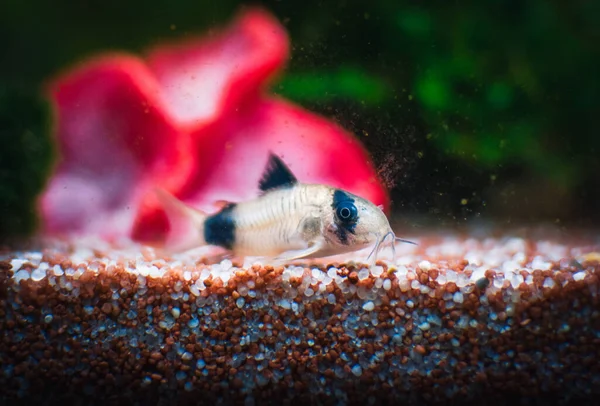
[(276, 175)]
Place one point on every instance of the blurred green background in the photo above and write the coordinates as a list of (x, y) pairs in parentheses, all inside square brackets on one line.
[(472, 109)]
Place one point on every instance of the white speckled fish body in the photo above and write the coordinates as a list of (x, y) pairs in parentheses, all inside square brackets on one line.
[(282, 220), (291, 220), (299, 218)]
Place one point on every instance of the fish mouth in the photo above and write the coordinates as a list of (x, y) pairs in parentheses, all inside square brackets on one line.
[(379, 244)]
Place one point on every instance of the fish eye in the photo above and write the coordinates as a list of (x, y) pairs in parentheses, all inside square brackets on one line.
[(346, 212)]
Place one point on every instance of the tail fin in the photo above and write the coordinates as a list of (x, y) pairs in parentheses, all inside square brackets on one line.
[(187, 223)]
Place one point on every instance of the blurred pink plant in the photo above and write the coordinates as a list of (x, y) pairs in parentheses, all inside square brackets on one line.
[(193, 118)]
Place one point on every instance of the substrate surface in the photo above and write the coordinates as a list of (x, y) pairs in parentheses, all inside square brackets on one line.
[(456, 319)]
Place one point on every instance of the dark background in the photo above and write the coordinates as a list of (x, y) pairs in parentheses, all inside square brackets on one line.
[(472, 109)]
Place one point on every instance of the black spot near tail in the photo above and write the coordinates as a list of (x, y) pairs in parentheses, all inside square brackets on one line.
[(219, 229)]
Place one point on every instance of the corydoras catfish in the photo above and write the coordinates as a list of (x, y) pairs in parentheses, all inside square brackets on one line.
[(289, 220)]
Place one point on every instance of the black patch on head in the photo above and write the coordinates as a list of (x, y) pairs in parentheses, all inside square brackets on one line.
[(345, 215), (219, 229), (276, 175)]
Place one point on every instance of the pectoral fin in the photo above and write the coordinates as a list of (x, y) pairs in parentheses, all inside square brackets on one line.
[(309, 234), (297, 254)]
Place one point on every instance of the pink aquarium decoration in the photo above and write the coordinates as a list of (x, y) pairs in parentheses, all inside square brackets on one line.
[(194, 118)]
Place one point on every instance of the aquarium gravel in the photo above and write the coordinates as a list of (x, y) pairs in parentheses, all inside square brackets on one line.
[(455, 319)]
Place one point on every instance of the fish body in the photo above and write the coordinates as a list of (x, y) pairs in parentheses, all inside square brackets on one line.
[(290, 220)]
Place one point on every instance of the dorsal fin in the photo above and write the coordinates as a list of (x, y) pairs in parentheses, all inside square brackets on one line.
[(276, 175)]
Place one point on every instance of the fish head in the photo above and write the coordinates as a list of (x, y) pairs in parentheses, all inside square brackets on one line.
[(355, 222)]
